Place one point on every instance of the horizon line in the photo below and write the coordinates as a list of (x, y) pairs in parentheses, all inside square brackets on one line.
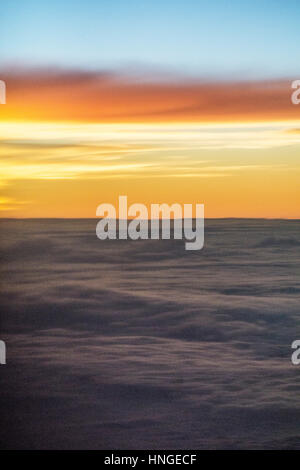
[(149, 219)]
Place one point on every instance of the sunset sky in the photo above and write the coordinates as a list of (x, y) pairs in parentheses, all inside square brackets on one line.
[(185, 102)]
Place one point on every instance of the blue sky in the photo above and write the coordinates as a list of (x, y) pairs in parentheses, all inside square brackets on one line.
[(217, 38)]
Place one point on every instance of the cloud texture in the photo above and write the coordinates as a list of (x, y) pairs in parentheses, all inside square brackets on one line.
[(116, 96), (140, 344)]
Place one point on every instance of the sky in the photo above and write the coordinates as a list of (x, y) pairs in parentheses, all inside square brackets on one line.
[(217, 38), (163, 101)]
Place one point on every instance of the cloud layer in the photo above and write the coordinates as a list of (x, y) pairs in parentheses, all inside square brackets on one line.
[(106, 97), (124, 344)]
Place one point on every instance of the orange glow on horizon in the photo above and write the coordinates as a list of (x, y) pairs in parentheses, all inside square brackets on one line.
[(70, 141), (111, 98)]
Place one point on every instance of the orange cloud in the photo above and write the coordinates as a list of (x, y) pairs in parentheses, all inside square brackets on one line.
[(54, 95)]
